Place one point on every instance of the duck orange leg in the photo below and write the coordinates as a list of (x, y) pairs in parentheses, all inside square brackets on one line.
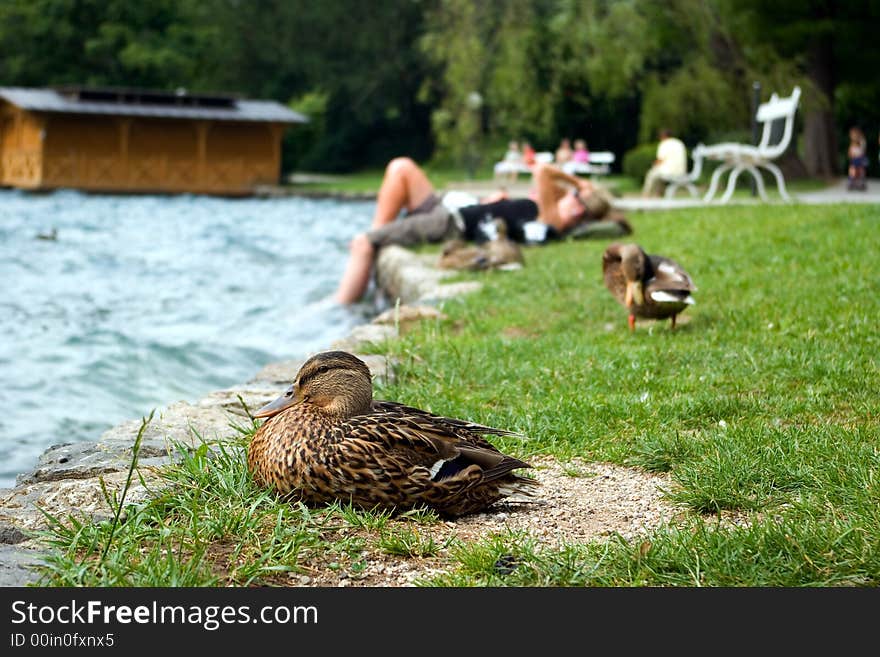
[(632, 322)]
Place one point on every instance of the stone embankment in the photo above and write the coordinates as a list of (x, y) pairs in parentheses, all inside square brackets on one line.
[(67, 478)]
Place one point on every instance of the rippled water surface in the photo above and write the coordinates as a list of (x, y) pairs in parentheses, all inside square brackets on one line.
[(141, 301)]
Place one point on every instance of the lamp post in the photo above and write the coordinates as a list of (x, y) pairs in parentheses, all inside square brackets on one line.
[(473, 103), (756, 100)]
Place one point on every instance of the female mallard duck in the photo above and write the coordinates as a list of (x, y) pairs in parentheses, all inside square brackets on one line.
[(649, 286), (327, 439), (500, 252)]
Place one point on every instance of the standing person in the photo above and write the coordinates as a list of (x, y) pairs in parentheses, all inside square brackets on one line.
[(581, 152), (858, 159), (671, 161), (553, 211), (564, 152)]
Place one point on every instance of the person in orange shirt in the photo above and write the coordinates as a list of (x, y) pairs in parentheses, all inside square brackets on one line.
[(528, 154)]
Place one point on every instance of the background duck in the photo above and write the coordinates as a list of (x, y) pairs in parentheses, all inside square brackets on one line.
[(500, 252), (326, 438), (649, 286)]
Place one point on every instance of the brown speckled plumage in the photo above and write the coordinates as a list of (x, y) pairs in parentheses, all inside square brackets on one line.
[(648, 286), (498, 253), (327, 439)]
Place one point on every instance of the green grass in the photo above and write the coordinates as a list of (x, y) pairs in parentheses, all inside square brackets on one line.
[(444, 177), (368, 181), (762, 406)]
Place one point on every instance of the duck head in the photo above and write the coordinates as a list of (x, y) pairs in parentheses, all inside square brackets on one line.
[(632, 264), (335, 382)]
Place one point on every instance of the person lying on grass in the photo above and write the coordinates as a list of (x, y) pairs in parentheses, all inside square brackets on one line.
[(560, 202)]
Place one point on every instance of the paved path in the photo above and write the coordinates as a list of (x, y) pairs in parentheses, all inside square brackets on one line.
[(836, 193)]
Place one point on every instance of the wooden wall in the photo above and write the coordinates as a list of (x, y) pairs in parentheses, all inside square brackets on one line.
[(20, 148), (136, 154)]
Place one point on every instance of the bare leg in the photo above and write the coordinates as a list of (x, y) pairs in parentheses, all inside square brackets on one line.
[(356, 277), (652, 180), (404, 185)]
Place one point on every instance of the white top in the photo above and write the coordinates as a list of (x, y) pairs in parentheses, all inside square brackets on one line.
[(672, 154)]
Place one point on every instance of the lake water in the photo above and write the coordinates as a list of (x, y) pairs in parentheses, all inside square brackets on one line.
[(141, 301)]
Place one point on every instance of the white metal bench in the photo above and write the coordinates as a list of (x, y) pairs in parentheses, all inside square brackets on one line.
[(737, 158), (599, 165), (509, 169), (689, 179)]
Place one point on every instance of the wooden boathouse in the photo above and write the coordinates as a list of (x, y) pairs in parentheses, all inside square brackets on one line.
[(136, 141)]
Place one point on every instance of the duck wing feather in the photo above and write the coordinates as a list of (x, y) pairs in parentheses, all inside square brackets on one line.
[(669, 276), (444, 445)]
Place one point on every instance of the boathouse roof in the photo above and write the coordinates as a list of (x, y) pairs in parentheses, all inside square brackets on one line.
[(160, 104)]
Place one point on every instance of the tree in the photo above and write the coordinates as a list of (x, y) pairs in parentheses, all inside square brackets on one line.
[(156, 44), (658, 57), (456, 45), (363, 62), (830, 42)]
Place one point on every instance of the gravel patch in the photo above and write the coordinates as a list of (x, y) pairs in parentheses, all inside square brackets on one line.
[(577, 501)]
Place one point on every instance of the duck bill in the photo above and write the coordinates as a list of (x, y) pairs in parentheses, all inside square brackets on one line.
[(634, 294), (285, 401)]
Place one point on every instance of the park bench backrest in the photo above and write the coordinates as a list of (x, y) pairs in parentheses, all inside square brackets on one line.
[(777, 109)]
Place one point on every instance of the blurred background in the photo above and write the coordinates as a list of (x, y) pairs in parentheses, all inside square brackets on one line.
[(450, 82)]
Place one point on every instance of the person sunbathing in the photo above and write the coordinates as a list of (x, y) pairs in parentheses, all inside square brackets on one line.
[(561, 201)]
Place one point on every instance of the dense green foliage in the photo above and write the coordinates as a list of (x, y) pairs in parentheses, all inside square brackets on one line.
[(637, 161), (455, 79), (761, 406)]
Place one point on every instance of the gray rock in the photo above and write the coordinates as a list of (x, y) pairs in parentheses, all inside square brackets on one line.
[(283, 373), (366, 334), (249, 396), (412, 278), (85, 499), (10, 534), (181, 423), (404, 317), (280, 373), (16, 566), (90, 459)]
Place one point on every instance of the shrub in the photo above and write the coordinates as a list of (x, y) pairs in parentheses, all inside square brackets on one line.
[(637, 161)]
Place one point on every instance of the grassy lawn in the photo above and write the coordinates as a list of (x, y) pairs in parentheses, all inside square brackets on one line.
[(762, 405), (367, 182)]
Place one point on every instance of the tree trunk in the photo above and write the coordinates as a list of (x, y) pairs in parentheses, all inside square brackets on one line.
[(820, 137)]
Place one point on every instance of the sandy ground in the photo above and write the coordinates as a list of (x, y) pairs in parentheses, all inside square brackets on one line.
[(576, 502)]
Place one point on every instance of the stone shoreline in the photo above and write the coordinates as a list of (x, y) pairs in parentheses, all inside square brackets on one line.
[(67, 478)]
